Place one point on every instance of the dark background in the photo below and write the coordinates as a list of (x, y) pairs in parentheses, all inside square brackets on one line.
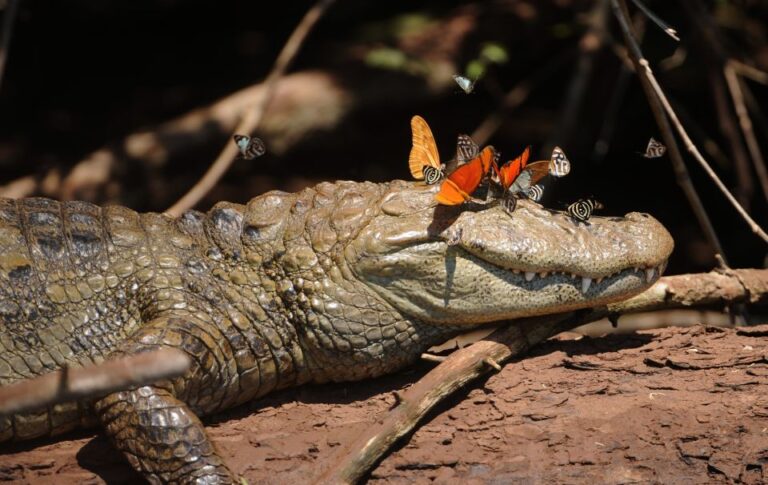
[(84, 75)]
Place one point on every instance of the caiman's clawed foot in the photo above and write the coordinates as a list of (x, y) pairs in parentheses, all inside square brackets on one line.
[(161, 437)]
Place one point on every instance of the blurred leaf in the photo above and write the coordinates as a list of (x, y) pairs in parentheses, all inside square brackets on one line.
[(494, 53), (387, 58), (475, 69)]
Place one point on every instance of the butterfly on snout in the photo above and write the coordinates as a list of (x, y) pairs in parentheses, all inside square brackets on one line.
[(582, 209), (424, 160), (517, 177), (459, 185), (250, 147)]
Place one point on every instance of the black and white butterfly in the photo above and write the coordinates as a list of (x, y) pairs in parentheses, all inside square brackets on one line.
[(559, 165), (535, 193), (466, 84), (250, 147), (432, 175), (654, 149), (582, 209)]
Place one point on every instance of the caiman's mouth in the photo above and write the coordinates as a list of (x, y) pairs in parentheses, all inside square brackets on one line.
[(474, 266)]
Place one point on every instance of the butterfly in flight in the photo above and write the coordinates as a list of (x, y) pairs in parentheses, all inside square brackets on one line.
[(582, 209), (654, 149), (424, 160), (466, 84), (250, 147), (559, 166), (457, 188)]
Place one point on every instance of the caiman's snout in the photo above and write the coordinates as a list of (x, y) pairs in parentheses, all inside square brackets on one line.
[(537, 240), (472, 266)]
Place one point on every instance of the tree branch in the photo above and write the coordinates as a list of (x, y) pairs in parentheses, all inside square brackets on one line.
[(252, 118), (70, 384), (658, 100), (463, 366)]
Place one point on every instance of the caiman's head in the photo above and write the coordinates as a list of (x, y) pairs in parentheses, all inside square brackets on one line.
[(480, 264)]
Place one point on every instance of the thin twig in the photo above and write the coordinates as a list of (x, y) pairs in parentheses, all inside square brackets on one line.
[(746, 70), (714, 53), (9, 18), (656, 96), (737, 95), (70, 384), (681, 172), (252, 118), (359, 456)]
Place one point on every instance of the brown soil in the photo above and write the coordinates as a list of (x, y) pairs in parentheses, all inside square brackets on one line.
[(663, 406)]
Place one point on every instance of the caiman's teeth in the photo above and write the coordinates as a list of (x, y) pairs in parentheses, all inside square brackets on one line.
[(585, 282), (543, 274), (529, 275), (649, 274), (599, 280), (573, 276), (635, 269), (516, 271)]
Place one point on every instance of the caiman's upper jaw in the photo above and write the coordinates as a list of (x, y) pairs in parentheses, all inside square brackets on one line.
[(537, 242), (465, 265)]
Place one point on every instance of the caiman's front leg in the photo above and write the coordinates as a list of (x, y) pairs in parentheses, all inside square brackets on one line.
[(155, 426)]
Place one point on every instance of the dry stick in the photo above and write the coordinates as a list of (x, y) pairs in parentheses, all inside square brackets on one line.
[(681, 172), (746, 70), (5, 42), (358, 457), (91, 381), (253, 117), (656, 95), (460, 368), (737, 95), (716, 57)]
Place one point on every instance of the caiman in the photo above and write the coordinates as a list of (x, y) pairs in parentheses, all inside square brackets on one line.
[(339, 282)]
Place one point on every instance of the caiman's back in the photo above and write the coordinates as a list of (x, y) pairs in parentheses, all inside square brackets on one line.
[(70, 274)]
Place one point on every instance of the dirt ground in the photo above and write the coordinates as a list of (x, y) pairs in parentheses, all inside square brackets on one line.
[(666, 406)]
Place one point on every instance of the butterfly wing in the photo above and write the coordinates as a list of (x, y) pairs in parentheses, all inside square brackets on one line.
[(560, 166), (654, 149), (424, 150), (451, 194), (460, 184), (529, 177), (242, 142), (464, 83), (511, 170), (466, 149), (255, 148)]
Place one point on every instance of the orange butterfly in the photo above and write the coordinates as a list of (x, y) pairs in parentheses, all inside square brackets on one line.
[(516, 176), (460, 184), (424, 160)]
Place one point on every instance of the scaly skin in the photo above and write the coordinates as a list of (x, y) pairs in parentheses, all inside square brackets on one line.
[(340, 282)]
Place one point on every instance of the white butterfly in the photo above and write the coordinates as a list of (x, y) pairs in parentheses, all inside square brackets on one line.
[(464, 83)]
